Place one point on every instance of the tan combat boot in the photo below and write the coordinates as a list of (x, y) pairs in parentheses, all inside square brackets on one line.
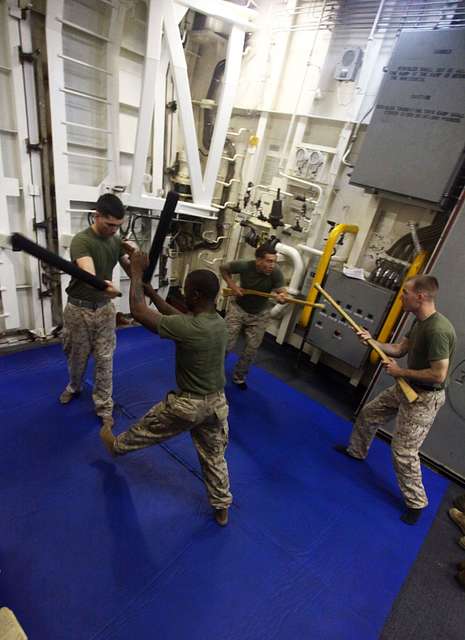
[(67, 396), (106, 435), (458, 517), (221, 517)]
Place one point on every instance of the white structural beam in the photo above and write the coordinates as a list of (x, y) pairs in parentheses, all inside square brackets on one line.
[(30, 165), (184, 100), (146, 109), (227, 11), (163, 17), (225, 107), (158, 148), (54, 37), (150, 201), (10, 312), (113, 50)]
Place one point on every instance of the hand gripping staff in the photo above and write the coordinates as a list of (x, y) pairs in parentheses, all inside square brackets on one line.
[(251, 292), (166, 217), (406, 389), (21, 243)]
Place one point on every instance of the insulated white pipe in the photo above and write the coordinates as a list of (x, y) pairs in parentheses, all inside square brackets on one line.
[(313, 185), (318, 252), (297, 274)]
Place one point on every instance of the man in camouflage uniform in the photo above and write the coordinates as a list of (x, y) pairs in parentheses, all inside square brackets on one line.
[(199, 406), (248, 312), (89, 316), (430, 346)]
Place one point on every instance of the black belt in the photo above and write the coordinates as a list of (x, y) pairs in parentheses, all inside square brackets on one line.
[(425, 387), (87, 304)]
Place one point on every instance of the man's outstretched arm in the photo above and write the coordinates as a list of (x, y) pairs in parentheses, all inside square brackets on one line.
[(149, 318)]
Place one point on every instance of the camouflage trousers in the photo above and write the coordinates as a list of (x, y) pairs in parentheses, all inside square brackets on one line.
[(254, 326), (87, 332), (206, 417), (413, 423)]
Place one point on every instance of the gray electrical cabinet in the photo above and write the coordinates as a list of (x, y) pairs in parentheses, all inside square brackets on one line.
[(415, 142), (445, 443), (366, 303)]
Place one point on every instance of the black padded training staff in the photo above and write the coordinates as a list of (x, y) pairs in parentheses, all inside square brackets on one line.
[(21, 243), (163, 227)]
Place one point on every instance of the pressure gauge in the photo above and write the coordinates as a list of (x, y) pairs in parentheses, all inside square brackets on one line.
[(315, 158), (301, 159)]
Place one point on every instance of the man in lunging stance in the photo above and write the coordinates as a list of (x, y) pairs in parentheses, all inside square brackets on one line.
[(199, 406)]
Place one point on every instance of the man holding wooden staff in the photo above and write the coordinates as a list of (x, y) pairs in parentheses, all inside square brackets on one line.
[(429, 347), (248, 312)]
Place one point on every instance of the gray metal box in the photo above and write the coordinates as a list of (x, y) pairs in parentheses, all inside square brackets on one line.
[(366, 303), (415, 142)]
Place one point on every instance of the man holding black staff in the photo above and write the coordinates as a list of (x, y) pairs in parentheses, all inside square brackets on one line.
[(89, 316), (199, 405)]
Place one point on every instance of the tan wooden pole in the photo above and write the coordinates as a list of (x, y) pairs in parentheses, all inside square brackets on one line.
[(407, 390), (251, 292)]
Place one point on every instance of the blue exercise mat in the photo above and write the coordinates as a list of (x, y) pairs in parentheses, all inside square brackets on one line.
[(100, 548)]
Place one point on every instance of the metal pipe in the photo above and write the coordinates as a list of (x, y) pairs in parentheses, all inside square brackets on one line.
[(318, 252), (84, 64), (228, 184), (72, 92), (85, 155), (323, 265), (306, 183), (237, 133), (85, 126), (294, 114), (266, 187), (396, 308), (414, 234), (376, 20), (234, 158), (78, 27), (297, 274)]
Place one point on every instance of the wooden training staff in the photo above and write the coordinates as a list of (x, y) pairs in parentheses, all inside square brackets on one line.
[(251, 292), (407, 390)]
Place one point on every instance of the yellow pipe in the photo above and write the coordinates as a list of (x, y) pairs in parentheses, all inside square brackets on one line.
[(323, 264), (396, 309)]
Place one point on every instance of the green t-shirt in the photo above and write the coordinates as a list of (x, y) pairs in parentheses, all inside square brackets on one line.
[(105, 252), (250, 278), (431, 340), (200, 350)]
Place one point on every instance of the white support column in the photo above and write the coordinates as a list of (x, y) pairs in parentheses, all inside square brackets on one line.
[(238, 15), (151, 65), (159, 120), (186, 114), (115, 35), (25, 95), (10, 313), (225, 107), (54, 37)]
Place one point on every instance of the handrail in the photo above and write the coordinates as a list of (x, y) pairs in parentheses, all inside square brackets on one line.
[(396, 309), (323, 264)]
